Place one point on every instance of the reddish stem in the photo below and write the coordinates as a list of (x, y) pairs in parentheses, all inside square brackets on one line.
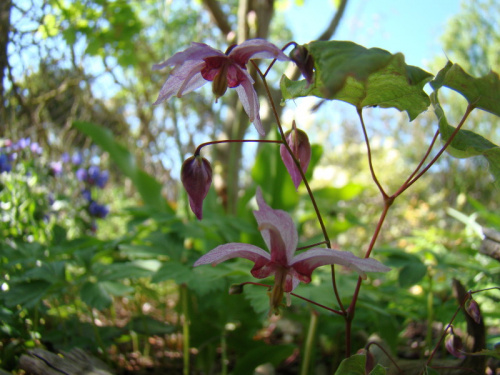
[(198, 149)]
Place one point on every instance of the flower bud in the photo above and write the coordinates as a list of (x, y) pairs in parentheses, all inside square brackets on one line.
[(301, 149), (454, 345), (472, 308), (196, 176), (304, 61)]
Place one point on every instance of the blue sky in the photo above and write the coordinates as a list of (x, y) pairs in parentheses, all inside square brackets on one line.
[(413, 27)]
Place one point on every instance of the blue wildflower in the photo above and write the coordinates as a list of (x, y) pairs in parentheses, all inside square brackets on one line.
[(98, 210), (81, 174), (77, 159), (4, 164)]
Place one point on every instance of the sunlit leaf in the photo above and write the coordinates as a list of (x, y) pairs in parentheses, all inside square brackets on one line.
[(362, 77), (26, 294), (482, 92), (467, 143)]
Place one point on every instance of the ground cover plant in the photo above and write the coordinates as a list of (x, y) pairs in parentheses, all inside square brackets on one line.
[(331, 280)]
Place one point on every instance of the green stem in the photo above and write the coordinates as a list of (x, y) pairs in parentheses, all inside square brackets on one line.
[(224, 357), (185, 327), (309, 344), (430, 312)]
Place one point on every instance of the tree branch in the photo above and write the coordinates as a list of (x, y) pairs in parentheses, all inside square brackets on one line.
[(218, 15)]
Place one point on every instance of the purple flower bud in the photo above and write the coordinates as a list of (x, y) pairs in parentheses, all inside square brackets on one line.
[(472, 308), (299, 143), (81, 174), (454, 345), (304, 61), (98, 210), (196, 176)]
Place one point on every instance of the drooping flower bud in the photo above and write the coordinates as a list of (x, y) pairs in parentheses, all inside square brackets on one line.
[(301, 149), (454, 345), (304, 61), (196, 176), (472, 308)]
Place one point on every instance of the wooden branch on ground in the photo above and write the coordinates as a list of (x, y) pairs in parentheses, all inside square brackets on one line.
[(76, 362)]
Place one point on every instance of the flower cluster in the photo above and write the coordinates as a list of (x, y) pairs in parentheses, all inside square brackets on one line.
[(200, 64), (21, 157)]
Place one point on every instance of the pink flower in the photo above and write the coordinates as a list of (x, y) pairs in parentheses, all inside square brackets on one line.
[(200, 64), (280, 236), (301, 149)]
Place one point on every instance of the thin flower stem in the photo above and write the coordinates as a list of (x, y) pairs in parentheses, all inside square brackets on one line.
[(372, 171), (298, 296), (367, 347), (352, 307), (272, 62), (309, 246), (198, 149), (462, 304), (469, 109), (296, 161), (368, 149), (306, 183), (429, 149)]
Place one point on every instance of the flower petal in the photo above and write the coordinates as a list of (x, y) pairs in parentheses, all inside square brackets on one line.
[(250, 101), (235, 250), (197, 51), (280, 220), (183, 80), (256, 49), (308, 261)]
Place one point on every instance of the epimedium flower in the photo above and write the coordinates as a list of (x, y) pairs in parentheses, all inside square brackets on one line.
[(301, 149), (196, 177), (200, 64), (289, 269)]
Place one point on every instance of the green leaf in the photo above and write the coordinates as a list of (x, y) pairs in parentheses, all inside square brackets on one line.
[(378, 370), (148, 187), (260, 354), (488, 352), (26, 294), (467, 143), (147, 325), (483, 92), (362, 77), (411, 274), (95, 295), (430, 371), (354, 365)]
